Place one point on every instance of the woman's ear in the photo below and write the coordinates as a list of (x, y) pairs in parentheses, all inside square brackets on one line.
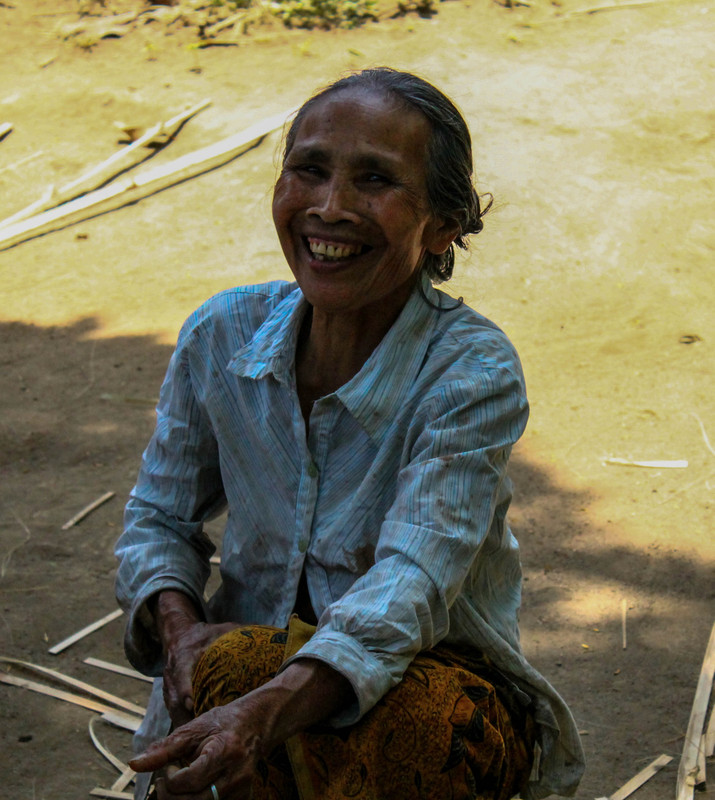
[(439, 235)]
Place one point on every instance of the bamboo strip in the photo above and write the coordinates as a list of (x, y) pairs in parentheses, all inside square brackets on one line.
[(699, 777), (624, 614), (98, 791), (657, 464), (21, 162), (117, 763), (130, 190), (70, 640), (688, 768), (638, 780), (123, 780), (85, 687), (124, 159), (709, 737), (118, 668), (116, 717), (217, 27), (122, 720), (88, 509)]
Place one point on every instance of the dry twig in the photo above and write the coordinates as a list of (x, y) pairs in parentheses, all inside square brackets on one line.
[(703, 431), (5, 561), (88, 509)]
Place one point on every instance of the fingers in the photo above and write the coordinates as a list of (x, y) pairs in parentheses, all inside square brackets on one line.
[(166, 790), (178, 696), (227, 788), (151, 760), (163, 792), (179, 746)]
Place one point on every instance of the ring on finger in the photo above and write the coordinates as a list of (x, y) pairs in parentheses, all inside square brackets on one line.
[(214, 792)]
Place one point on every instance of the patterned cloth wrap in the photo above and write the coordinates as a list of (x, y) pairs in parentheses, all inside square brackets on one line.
[(448, 731)]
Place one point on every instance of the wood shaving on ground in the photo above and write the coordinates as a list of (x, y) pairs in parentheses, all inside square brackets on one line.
[(94, 626)]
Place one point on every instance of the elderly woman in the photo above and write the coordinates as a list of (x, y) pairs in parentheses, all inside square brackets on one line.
[(357, 425)]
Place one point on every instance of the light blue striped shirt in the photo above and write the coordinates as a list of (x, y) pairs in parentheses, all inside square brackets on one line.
[(394, 503)]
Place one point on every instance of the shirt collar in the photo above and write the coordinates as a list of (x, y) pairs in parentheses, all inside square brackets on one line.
[(376, 394), (271, 351), (373, 396)]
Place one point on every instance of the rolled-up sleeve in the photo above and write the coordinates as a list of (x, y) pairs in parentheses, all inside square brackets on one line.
[(179, 487), (450, 491)]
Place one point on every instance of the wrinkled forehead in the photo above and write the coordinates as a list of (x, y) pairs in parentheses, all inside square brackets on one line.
[(382, 108)]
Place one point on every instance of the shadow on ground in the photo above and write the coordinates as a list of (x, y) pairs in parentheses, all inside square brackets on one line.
[(75, 413)]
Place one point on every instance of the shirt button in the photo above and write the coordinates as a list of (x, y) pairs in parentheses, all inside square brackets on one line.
[(302, 545), (312, 470)]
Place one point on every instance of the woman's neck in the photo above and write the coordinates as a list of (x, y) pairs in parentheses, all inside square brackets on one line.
[(332, 349)]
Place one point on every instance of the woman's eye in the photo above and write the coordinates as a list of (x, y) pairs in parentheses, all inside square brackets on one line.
[(309, 169), (376, 179)]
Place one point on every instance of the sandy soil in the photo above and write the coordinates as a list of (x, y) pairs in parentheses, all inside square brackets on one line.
[(595, 134)]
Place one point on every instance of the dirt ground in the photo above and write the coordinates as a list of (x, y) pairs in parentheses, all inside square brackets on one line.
[(595, 134)]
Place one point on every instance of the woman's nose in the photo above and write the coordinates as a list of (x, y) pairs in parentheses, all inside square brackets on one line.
[(335, 201)]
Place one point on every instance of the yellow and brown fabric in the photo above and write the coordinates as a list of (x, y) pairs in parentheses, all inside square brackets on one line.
[(450, 730)]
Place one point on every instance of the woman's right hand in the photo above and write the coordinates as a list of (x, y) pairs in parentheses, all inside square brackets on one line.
[(184, 637)]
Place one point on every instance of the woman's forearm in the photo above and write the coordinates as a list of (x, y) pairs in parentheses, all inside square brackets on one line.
[(307, 692), (173, 611)]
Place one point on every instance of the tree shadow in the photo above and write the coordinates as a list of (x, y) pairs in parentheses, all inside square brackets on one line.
[(76, 412)]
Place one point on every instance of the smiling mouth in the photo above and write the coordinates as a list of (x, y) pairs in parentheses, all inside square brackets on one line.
[(323, 250)]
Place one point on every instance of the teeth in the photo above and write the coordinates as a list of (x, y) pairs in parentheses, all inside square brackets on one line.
[(332, 251)]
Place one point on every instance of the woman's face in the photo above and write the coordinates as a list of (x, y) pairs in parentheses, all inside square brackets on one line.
[(350, 205)]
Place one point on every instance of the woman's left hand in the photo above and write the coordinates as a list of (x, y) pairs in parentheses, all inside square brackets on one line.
[(220, 748)]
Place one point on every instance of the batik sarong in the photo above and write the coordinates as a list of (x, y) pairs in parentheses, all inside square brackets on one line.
[(452, 729)]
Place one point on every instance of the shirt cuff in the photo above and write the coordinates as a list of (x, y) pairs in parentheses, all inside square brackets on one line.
[(141, 638), (368, 676)]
